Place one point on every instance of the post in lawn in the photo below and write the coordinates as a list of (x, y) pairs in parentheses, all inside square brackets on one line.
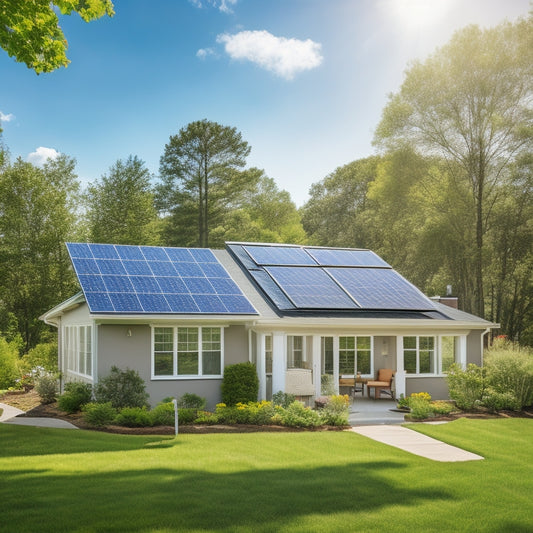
[(175, 403)]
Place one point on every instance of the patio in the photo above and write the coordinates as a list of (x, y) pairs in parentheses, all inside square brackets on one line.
[(367, 411)]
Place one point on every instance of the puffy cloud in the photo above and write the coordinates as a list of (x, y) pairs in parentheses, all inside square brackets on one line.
[(204, 52), (6, 118), (41, 155), (284, 57)]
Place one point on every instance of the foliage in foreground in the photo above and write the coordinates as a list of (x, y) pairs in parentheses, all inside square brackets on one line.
[(123, 388)]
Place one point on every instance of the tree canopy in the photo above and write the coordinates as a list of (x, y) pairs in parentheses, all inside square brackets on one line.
[(30, 31)]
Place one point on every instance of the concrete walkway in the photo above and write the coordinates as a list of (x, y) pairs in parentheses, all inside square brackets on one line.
[(10, 416), (415, 443)]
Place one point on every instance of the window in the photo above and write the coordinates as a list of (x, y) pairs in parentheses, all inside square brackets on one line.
[(187, 351), (77, 349), (295, 352), (355, 355), (268, 354), (419, 355), (327, 355), (449, 352)]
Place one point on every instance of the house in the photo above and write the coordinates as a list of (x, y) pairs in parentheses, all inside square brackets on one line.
[(303, 315)]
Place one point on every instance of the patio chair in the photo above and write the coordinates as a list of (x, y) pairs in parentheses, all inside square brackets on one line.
[(383, 383)]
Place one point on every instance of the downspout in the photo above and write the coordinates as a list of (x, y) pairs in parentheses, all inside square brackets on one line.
[(483, 343)]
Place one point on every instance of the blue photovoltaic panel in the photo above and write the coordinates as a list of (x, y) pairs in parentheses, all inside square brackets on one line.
[(272, 290), (379, 288), (145, 279), (329, 257), (311, 288), (279, 255)]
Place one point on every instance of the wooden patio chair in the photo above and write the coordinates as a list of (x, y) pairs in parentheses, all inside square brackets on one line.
[(382, 383)]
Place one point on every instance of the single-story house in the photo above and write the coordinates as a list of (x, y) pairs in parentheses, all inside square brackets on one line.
[(304, 315)]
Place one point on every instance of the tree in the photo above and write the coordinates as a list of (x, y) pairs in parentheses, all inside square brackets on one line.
[(470, 104), (333, 216), (37, 207), (121, 205), (30, 31), (201, 178)]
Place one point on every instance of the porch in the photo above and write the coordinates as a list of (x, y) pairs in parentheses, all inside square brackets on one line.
[(367, 411)]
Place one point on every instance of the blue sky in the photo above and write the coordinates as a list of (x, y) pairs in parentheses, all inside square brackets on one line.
[(304, 81)]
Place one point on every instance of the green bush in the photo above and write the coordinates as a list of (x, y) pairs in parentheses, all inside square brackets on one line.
[(205, 417), (123, 388), (99, 414), (43, 356), (9, 357), (421, 408), (186, 415), (46, 387), (466, 387), (336, 411), (297, 415), (284, 399), (498, 401), (134, 417), (509, 371), (441, 407), (192, 401), (163, 414), (75, 396), (240, 384)]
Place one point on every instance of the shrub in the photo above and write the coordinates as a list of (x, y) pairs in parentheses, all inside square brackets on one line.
[(466, 387), (403, 402), (192, 401), (297, 415), (46, 387), (284, 399), (186, 415), (123, 388), (205, 417), (497, 401), (133, 417), (420, 408), (509, 371), (163, 414), (99, 414), (441, 407), (9, 371), (75, 396), (240, 384), (42, 356), (336, 411)]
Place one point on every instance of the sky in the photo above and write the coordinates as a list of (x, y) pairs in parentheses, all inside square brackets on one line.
[(304, 81)]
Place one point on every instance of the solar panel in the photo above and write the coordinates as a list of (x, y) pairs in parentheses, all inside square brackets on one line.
[(332, 257), (272, 290), (146, 279), (311, 288), (279, 255), (379, 288)]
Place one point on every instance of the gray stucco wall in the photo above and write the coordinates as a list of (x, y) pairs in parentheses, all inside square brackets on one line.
[(116, 348), (474, 347), (436, 386)]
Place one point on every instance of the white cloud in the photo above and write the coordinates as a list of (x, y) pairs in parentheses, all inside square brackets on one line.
[(205, 52), (284, 57), (41, 155), (6, 118), (222, 5)]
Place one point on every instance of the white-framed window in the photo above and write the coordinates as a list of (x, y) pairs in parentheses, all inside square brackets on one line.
[(449, 352), (419, 355), (355, 355), (184, 352), (77, 349), (268, 354)]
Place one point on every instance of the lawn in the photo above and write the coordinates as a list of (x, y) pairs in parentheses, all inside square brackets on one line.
[(79, 481)]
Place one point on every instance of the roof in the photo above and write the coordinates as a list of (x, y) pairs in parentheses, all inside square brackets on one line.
[(253, 283)]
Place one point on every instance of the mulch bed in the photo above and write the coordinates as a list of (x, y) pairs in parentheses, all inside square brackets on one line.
[(30, 402)]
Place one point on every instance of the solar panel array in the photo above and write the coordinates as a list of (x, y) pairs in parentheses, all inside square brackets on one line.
[(147, 279), (312, 278)]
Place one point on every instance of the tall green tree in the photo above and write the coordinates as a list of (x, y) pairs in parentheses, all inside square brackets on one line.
[(37, 213), (30, 31), (201, 179), (470, 104), (120, 206)]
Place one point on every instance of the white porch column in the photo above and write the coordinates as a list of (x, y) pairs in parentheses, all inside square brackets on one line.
[(336, 363), (279, 361), (399, 377), (317, 364), (462, 351), (261, 364)]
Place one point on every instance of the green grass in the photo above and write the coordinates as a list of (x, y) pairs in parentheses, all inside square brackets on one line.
[(77, 481)]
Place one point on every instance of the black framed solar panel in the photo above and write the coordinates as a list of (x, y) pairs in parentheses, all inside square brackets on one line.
[(146, 279), (279, 255), (332, 257)]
